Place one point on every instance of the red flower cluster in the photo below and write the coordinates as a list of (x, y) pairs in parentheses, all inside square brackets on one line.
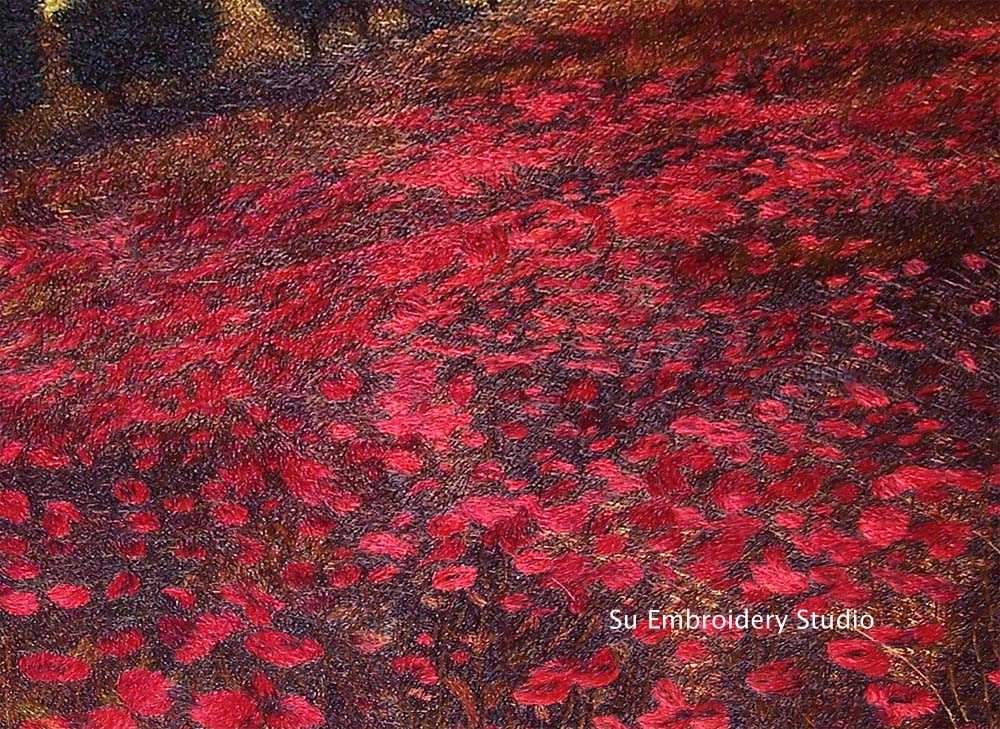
[(552, 682)]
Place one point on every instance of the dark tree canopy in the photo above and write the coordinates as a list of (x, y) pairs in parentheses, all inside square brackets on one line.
[(427, 15), (111, 42), (311, 17), (20, 56)]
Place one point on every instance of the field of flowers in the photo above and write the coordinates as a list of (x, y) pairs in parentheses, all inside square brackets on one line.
[(368, 417)]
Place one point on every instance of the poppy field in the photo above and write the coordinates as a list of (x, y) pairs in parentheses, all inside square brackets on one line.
[(321, 415)]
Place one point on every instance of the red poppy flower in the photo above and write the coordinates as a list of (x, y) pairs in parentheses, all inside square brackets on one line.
[(645, 633), (14, 506), (69, 596), (294, 712), (779, 677), (341, 385), (447, 550), (53, 667), (282, 649), (123, 584), (674, 712), (183, 597), (257, 605), (386, 544), (230, 514), (18, 603), (420, 667), (581, 390), (403, 462), (21, 569), (383, 574), (859, 655), (600, 670), (314, 484), (209, 630), (884, 525), (242, 710), (691, 651), (109, 717), (548, 684), (621, 574), (130, 491), (924, 481), (775, 575), (299, 575), (895, 703), (944, 539), (227, 710), (343, 575), (533, 562), (145, 693), (59, 518), (456, 577), (181, 504)]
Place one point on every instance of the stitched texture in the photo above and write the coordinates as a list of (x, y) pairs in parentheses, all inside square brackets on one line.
[(360, 398)]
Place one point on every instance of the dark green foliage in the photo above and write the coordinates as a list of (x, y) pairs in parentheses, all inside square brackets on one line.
[(111, 42), (20, 56), (428, 15), (311, 17)]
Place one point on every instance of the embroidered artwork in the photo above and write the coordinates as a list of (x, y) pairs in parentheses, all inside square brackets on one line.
[(453, 364)]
